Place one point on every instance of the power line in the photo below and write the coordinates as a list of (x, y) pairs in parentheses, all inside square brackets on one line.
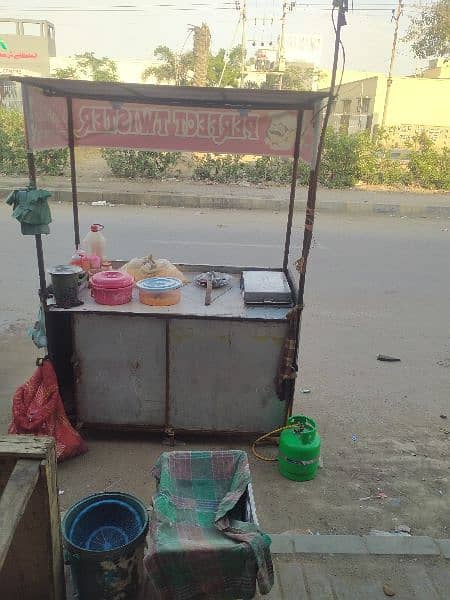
[(200, 6), (226, 57)]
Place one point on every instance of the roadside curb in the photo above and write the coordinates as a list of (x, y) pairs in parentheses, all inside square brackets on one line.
[(177, 200), (374, 545)]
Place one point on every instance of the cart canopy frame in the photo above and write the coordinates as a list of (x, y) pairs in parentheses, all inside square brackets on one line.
[(174, 95), (57, 105)]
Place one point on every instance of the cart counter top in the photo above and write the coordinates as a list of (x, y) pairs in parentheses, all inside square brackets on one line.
[(227, 303)]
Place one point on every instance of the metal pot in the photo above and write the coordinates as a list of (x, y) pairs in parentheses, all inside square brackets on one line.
[(66, 280)]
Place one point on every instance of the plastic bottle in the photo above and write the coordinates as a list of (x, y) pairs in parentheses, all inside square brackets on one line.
[(80, 259), (95, 242), (77, 257)]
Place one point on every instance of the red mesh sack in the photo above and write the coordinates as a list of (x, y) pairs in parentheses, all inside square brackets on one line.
[(38, 410)]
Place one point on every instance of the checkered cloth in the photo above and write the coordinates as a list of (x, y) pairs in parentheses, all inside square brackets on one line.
[(199, 547)]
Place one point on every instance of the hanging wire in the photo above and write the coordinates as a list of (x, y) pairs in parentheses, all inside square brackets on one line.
[(196, 7), (226, 57), (190, 32)]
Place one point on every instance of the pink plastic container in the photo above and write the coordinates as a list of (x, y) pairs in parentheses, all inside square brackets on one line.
[(94, 261), (112, 287)]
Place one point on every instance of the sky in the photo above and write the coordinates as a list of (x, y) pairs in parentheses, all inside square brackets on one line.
[(133, 28)]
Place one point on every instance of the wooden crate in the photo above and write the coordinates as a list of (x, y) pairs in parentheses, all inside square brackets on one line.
[(31, 561)]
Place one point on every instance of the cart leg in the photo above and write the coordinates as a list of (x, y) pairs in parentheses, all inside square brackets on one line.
[(170, 433)]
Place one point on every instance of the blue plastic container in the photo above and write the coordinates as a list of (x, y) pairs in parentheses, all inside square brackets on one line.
[(104, 538)]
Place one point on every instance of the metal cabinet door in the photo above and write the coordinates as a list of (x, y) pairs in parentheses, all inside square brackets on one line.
[(120, 370), (222, 375)]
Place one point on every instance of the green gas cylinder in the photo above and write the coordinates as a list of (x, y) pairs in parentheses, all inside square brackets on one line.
[(299, 449)]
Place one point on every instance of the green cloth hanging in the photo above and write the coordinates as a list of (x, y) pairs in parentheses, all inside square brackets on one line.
[(31, 209)]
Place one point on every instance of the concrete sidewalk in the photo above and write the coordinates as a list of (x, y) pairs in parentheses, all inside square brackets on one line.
[(191, 194), (378, 545), (359, 578), (350, 567)]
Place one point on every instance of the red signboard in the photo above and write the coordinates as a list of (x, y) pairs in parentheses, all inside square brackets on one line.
[(167, 128), (46, 119)]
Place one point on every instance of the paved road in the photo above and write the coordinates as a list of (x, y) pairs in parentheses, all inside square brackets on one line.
[(365, 259), (374, 285)]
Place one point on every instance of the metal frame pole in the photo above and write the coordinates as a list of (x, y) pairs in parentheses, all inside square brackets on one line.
[(168, 429), (73, 172), (33, 184), (31, 168), (314, 173), (311, 204), (37, 237), (295, 161), (41, 267)]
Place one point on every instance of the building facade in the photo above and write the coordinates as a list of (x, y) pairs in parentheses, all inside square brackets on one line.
[(26, 47), (416, 105)]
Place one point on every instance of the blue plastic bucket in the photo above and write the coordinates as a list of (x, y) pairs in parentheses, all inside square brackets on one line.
[(104, 538)]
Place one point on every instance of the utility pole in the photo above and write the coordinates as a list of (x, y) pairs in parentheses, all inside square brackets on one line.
[(243, 41), (396, 18), (177, 69), (281, 59)]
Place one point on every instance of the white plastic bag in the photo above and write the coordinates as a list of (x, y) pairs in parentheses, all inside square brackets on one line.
[(147, 266)]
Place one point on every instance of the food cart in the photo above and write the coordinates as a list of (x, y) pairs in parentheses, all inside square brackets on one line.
[(190, 367)]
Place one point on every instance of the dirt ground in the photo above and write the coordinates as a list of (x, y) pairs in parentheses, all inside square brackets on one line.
[(376, 285), (392, 474)]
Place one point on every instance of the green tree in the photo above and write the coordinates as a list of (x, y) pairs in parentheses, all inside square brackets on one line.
[(99, 69), (174, 67), (232, 71), (178, 68), (429, 33), (89, 66), (13, 157), (296, 77), (429, 165), (254, 85), (65, 73)]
